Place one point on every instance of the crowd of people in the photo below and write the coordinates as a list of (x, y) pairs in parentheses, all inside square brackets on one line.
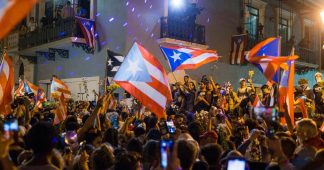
[(210, 127)]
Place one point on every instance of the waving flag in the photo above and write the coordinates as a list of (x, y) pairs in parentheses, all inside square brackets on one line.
[(257, 102), (13, 13), (181, 58), (26, 87), (88, 28), (143, 77), (6, 84), (40, 98), (114, 61), (286, 87), (58, 87), (286, 90), (238, 46), (61, 110), (265, 57)]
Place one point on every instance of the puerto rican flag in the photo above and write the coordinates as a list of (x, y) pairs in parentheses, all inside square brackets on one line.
[(257, 102), (182, 58), (40, 98), (60, 111), (26, 87), (143, 77), (286, 90), (59, 88), (88, 28), (6, 84), (266, 57), (238, 46)]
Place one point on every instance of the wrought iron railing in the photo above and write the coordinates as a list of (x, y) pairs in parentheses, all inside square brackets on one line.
[(306, 55), (180, 30), (11, 41), (50, 33)]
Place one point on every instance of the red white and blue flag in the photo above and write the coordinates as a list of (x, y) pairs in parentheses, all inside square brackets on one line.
[(257, 102), (6, 84), (88, 28), (182, 58), (58, 87), (26, 87), (40, 98), (286, 90), (142, 76), (238, 46), (265, 56)]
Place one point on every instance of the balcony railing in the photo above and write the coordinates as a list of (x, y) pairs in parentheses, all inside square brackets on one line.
[(306, 55), (180, 30), (50, 33), (11, 41)]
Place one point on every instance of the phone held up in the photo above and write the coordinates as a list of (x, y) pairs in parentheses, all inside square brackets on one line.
[(10, 126), (165, 146)]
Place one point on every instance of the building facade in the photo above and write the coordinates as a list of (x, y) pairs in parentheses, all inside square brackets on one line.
[(55, 48)]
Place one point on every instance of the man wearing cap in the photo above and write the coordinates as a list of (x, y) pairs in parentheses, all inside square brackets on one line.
[(244, 92)]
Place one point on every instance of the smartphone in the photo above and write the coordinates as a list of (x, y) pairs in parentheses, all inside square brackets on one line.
[(165, 145), (236, 164), (10, 126), (171, 127)]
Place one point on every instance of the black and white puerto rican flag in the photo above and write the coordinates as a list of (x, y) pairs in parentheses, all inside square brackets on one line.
[(114, 60)]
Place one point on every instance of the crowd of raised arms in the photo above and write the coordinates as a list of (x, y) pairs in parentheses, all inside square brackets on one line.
[(210, 127)]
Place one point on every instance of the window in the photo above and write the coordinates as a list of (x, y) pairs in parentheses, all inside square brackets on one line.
[(252, 21), (284, 29)]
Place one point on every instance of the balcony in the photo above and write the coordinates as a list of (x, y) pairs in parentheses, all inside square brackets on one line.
[(59, 35), (307, 57), (178, 32)]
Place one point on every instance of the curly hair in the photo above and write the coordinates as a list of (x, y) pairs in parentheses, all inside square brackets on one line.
[(302, 81)]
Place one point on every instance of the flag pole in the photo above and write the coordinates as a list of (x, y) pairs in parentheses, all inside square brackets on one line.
[(174, 77)]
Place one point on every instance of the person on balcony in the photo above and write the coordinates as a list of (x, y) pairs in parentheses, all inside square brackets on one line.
[(45, 21), (23, 29), (58, 17), (67, 11), (260, 32), (32, 25)]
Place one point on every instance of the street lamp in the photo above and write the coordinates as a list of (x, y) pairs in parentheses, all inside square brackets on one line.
[(322, 16), (177, 3)]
